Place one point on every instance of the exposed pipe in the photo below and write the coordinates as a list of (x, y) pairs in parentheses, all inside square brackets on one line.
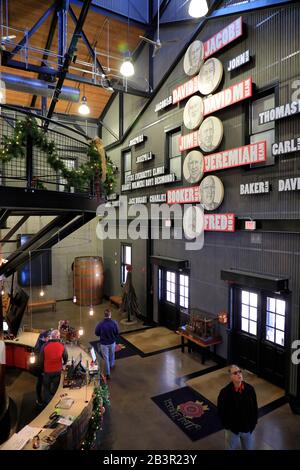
[(39, 87)]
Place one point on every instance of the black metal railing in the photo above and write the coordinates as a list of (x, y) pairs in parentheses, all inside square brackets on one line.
[(34, 169)]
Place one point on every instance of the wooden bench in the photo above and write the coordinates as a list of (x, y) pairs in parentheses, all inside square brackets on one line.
[(203, 344), (116, 300), (42, 303)]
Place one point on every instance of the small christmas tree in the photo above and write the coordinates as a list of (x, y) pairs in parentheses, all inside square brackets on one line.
[(129, 299)]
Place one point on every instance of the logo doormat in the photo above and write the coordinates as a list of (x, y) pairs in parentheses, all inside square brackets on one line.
[(123, 349), (191, 412)]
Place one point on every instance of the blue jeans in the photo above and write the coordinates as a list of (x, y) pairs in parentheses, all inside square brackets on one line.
[(108, 354), (242, 440)]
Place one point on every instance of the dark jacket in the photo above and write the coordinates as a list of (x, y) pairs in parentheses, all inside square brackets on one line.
[(52, 355), (108, 331), (238, 411)]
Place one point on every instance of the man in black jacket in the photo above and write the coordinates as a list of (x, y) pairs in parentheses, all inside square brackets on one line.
[(237, 407)]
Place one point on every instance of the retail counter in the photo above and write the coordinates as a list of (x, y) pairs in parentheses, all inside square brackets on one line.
[(78, 415)]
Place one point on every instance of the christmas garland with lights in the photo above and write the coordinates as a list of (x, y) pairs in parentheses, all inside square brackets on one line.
[(79, 178), (100, 400)]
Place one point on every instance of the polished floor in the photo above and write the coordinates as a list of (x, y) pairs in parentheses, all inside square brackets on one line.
[(133, 420)]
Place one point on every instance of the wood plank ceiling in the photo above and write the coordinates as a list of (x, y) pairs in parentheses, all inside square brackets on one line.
[(23, 14)]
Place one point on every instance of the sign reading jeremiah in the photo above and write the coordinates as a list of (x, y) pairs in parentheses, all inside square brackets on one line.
[(253, 153)]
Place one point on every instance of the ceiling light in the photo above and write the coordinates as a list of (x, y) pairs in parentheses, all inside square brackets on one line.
[(198, 8), (83, 108), (127, 68)]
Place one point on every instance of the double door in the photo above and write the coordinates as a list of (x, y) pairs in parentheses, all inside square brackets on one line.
[(173, 296)]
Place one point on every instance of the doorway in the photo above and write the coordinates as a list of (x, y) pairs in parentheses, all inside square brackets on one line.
[(173, 296), (260, 322)]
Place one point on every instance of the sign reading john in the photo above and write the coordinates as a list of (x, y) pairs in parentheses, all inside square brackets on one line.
[(193, 58), (211, 192), (210, 134), (193, 167), (210, 76), (193, 112)]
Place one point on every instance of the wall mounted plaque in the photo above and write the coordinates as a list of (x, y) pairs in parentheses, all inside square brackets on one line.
[(193, 167), (233, 31), (210, 134), (193, 58), (238, 92), (246, 155), (210, 76), (238, 61), (183, 195), (219, 222), (211, 192), (193, 112)]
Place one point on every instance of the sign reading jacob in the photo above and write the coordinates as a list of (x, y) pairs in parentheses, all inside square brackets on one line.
[(193, 58)]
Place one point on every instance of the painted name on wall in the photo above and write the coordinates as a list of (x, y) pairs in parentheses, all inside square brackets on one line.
[(259, 187), (286, 146), (137, 140), (233, 31), (163, 104), (252, 153), (279, 112), (238, 92), (238, 61)]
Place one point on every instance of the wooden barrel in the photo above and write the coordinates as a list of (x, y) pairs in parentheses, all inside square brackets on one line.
[(88, 280)]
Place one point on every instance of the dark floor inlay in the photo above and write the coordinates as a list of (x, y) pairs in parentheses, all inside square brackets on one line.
[(195, 415), (123, 348)]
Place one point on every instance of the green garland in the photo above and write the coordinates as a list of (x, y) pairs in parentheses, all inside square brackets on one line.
[(100, 399), (14, 147)]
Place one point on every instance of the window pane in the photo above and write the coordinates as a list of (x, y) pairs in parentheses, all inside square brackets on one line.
[(280, 322), (253, 327), (245, 325), (270, 319), (173, 298), (174, 144), (172, 287), (270, 332), (270, 304), (253, 313), (253, 300), (175, 167), (280, 307), (259, 106), (279, 337), (245, 311), (181, 301), (186, 281), (127, 255), (182, 290), (186, 291), (181, 279), (168, 276), (173, 277), (245, 297), (168, 286), (168, 296), (186, 303), (127, 161)]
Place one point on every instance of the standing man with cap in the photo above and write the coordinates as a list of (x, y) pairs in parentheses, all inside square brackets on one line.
[(108, 331), (53, 355), (237, 407)]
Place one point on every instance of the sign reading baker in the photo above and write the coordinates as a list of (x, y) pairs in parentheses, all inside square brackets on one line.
[(233, 31), (238, 92)]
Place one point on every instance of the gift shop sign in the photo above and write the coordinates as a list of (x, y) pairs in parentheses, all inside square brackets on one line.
[(187, 195), (219, 222), (233, 31), (252, 153), (238, 92)]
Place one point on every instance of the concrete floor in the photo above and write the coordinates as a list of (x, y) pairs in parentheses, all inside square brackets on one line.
[(134, 421)]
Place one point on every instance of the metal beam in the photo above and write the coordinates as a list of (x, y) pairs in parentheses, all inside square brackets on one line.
[(47, 48), (75, 78), (32, 30), (243, 8), (68, 58), (4, 214), (87, 43), (62, 28), (117, 16), (14, 229)]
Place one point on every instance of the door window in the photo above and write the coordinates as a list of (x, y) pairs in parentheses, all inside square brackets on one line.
[(249, 312), (171, 287), (275, 320)]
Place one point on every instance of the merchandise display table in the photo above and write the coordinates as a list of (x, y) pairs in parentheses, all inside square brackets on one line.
[(204, 345)]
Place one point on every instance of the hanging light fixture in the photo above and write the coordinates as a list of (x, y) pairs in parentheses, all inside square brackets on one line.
[(198, 8), (80, 330), (127, 68), (83, 107), (42, 292), (32, 358), (74, 295)]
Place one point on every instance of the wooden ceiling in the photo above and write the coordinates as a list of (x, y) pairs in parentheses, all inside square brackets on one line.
[(23, 14)]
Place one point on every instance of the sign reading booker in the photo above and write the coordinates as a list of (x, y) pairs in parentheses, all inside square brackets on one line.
[(211, 192), (193, 112), (193, 167), (210, 76), (193, 58), (210, 134)]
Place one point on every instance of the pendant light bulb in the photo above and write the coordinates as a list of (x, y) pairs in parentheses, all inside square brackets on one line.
[(74, 299), (42, 293), (83, 108), (198, 8), (32, 358), (80, 331), (127, 68), (91, 312)]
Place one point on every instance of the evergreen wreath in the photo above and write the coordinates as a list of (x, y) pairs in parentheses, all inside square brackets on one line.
[(14, 147)]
